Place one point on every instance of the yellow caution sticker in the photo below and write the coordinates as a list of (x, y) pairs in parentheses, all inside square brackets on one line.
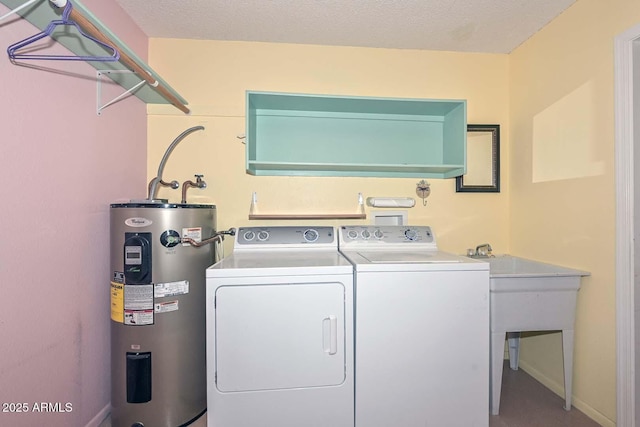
[(117, 302)]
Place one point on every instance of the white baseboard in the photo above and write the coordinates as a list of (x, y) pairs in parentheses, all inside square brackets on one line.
[(559, 390), (100, 417)]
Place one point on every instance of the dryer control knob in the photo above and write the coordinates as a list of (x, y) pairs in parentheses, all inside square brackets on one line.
[(249, 235), (378, 234), (352, 234), (366, 234), (263, 235)]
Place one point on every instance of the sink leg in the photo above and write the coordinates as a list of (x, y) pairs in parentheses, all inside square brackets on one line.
[(567, 354), (497, 360), (514, 349)]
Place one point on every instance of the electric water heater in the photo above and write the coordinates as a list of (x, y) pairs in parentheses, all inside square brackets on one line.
[(158, 363)]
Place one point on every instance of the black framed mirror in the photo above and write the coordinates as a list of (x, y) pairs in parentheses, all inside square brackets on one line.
[(483, 160)]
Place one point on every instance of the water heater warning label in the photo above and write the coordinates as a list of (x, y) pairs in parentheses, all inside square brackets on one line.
[(194, 233), (138, 304), (138, 317), (171, 289), (138, 297), (165, 307), (117, 302)]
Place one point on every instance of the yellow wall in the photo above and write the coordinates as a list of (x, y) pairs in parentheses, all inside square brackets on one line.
[(214, 76), (562, 194)]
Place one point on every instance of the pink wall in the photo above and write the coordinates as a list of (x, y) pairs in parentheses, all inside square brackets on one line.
[(60, 167)]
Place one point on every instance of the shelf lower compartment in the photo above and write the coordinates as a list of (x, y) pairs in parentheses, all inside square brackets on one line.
[(353, 169)]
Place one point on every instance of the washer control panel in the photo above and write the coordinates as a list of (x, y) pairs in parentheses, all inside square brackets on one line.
[(285, 236), (383, 235)]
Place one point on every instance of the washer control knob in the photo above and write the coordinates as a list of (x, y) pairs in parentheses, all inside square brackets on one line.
[(263, 235), (366, 234), (352, 234), (410, 234), (310, 235), (378, 234), (249, 235)]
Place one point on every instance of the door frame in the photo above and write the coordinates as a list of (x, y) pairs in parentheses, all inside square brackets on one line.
[(625, 269)]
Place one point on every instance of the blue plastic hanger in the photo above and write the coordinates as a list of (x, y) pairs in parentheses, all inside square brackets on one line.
[(11, 50)]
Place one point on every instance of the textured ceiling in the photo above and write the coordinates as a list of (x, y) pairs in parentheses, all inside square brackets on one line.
[(491, 26)]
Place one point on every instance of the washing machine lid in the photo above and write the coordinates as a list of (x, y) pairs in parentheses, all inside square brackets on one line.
[(379, 257), (399, 248), (397, 260)]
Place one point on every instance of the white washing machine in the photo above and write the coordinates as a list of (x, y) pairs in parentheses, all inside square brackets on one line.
[(422, 330), (280, 331)]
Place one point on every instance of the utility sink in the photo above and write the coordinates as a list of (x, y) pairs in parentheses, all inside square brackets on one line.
[(528, 295), (503, 266)]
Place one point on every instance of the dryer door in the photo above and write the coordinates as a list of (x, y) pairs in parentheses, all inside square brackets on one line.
[(281, 336)]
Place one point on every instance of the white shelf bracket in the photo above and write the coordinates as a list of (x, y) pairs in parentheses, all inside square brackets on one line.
[(18, 9), (254, 204), (126, 93)]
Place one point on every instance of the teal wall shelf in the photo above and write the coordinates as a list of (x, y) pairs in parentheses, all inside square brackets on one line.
[(41, 13), (320, 135)]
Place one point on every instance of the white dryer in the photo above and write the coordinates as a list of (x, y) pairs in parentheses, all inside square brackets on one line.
[(422, 330), (280, 331)]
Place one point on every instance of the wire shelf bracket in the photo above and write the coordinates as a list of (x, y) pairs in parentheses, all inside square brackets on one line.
[(131, 91)]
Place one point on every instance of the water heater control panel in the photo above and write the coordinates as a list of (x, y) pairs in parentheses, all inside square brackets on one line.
[(137, 258)]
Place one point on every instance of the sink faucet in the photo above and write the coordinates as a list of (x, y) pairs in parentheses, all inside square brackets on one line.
[(155, 182), (198, 184), (483, 250)]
